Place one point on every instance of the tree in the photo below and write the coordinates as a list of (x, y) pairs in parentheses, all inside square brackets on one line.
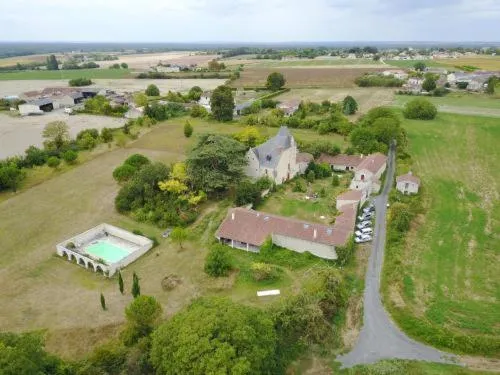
[(400, 217), (143, 316), (216, 163), (53, 162), (215, 336), (124, 172), (214, 65), (152, 90), (310, 176), (103, 302), (250, 136), (11, 177), (52, 63), (137, 161), (490, 86), (106, 135), (179, 235), (218, 261), (141, 99), (222, 103), (35, 156), (429, 84), (120, 282), (136, 288), (70, 156), (349, 105), (420, 109), (247, 193), (275, 81), (195, 93), (124, 65), (79, 82), (24, 354), (419, 66), (87, 141), (56, 134), (188, 129)]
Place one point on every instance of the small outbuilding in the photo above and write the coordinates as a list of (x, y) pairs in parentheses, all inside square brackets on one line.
[(36, 107), (408, 183)]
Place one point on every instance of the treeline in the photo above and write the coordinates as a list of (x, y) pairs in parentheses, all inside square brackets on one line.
[(100, 105), (58, 147), (201, 75), (75, 65), (378, 80)]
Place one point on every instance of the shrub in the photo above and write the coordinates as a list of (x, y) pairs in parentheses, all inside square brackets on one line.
[(335, 180), (87, 142), (152, 90), (35, 156), (106, 135), (311, 176), (420, 109), (188, 129), (78, 82), (124, 172), (218, 261), (247, 193), (137, 161), (198, 111), (70, 156), (300, 186), (53, 162), (263, 271)]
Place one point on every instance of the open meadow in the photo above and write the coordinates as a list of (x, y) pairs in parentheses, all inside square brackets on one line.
[(65, 74), (443, 286), (303, 77), (43, 291)]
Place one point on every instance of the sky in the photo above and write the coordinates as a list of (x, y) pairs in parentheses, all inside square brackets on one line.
[(249, 20)]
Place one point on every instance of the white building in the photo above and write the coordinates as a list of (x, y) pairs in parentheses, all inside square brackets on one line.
[(399, 74), (368, 173), (205, 100), (408, 183), (36, 107), (277, 158)]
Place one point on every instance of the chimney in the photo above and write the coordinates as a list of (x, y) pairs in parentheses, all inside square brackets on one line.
[(232, 216), (315, 234)]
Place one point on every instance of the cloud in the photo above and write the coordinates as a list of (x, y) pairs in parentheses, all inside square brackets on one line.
[(250, 20)]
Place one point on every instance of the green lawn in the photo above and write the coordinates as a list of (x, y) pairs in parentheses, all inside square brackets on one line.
[(409, 367), (66, 74), (445, 284), (464, 99), (286, 202)]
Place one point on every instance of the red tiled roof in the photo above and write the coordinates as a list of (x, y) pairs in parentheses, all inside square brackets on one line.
[(254, 227), (304, 157), (373, 162), (351, 195), (341, 159), (409, 177)]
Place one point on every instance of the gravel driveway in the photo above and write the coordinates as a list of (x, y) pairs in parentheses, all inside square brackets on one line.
[(380, 338)]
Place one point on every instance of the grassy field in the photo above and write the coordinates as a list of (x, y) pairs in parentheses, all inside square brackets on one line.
[(294, 204), (411, 63), (471, 100), (445, 285), (43, 291), (482, 62), (66, 74), (320, 62), (303, 77)]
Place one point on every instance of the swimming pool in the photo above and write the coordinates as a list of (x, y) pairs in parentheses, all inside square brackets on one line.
[(107, 251)]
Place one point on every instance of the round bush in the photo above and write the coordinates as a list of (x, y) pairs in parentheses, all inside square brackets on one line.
[(70, 156), (137, 161), (123, 172), (218, 261), (53, 162), (420, 109)]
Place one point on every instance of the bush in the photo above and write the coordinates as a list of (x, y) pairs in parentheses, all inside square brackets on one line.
[(152, 90), (247, 193), (198, 111), (300, 186), (263, 271), (335, 180), (53, 162), (310, 176), (218, 261), (188, 129), (87, 142), (137, 161), (78, 82), (378, 80), (420, 109), (70, 156), (34, 156), (124, 172), (106, 135)]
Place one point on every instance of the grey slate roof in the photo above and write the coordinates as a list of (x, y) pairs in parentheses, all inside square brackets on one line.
[(76, 95), (40, 102), (269, 153)]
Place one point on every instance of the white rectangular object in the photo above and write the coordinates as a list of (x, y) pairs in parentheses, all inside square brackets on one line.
[(263, 293)]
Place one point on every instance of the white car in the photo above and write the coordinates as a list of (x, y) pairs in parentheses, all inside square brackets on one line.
[(362, 239), (367, 231), (358, 233)]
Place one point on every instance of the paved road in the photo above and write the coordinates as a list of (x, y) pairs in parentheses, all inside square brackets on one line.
[(380, 338)]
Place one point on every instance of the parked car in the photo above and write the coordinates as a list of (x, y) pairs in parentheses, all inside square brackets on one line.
[(365, 217), (358, 233), (369, 209), (363, 238), (364, 224), (367, 231)]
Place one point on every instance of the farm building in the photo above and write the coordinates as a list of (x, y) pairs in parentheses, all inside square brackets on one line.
[(408, 183), (341, 162), (205, 100), (277, 158), (36, 107), (238, 108), (89, 92), (67, 100), (289, 107), (350, 197)]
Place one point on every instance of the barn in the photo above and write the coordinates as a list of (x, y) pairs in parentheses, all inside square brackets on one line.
[(36, 107)]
